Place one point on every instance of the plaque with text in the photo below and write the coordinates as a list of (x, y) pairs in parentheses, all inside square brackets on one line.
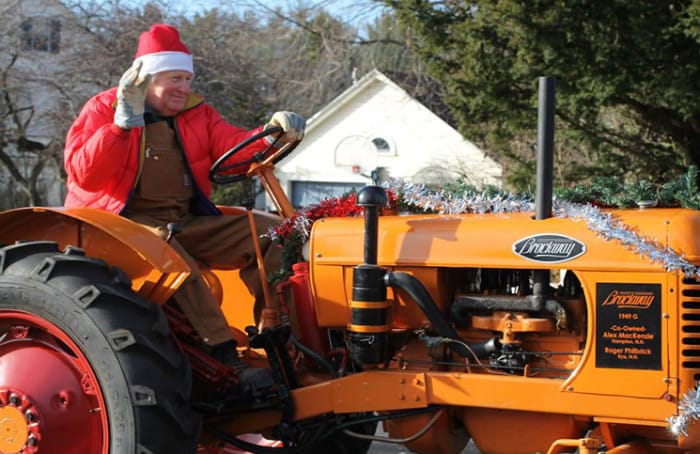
[(628, 326)]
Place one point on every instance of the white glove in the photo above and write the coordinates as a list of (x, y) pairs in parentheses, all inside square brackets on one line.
[(292, 125), (131, 98)]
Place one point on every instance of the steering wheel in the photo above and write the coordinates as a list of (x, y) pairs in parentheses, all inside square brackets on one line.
[(218, 172)]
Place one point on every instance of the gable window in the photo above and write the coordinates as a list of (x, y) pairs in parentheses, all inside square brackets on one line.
[(41, 33), (382, 145)]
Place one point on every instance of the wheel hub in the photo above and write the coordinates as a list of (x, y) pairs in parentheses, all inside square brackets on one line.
[(13, 430), (19, 423)]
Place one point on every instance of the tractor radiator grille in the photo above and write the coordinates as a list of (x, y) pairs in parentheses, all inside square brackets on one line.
[(690, 327)]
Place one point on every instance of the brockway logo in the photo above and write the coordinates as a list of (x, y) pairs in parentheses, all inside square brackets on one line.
[(549, 248), (629, 299)]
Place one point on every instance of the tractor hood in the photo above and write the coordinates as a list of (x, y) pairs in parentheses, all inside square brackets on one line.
[(510, 240)]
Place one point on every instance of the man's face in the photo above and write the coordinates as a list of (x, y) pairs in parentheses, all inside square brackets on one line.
[(167, 92)]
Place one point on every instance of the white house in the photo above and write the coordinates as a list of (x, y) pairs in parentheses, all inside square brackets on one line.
[(375, 127), (41, 43)]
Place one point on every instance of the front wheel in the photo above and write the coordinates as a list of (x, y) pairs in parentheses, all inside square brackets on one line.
[(86, 365)]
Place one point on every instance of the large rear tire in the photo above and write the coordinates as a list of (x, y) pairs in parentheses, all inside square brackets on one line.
[(86, 365)]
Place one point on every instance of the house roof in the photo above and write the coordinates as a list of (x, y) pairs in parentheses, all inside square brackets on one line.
[(345, 97), (421, 89), (425, 90)]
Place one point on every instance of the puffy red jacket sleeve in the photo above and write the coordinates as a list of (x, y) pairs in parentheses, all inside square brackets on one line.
[(206, 136), (97, 151), (225, 136)]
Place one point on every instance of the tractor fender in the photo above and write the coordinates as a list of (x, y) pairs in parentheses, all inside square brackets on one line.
[(156, 269)]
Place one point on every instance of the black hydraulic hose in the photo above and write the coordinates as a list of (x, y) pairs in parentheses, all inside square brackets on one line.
[(422, 298), (313, 355)]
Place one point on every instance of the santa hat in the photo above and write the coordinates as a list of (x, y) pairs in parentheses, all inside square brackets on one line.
[(160, 49)]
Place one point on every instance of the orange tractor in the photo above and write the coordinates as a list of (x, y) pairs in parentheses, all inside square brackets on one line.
[(524, 334)]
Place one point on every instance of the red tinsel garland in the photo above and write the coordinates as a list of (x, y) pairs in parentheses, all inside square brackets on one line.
[(291, 234), (342, 206)]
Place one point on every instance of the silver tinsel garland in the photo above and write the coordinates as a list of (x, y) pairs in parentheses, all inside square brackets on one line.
[(688, 411)]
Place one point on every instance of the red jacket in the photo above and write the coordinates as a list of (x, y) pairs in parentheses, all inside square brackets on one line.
[(102, 161)]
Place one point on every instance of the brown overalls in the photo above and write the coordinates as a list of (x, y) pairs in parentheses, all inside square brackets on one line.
[(163, 195)]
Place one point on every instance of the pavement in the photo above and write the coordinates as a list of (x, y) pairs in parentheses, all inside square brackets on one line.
[(391, 448)]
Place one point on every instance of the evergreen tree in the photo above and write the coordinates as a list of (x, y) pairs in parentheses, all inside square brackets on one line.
[(627, 79)]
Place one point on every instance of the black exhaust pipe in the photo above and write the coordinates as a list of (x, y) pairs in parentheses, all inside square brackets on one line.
[(545, 149), (545, 175)]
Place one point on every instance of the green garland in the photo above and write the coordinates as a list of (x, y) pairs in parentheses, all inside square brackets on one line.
[(614, 193), (604, 192)]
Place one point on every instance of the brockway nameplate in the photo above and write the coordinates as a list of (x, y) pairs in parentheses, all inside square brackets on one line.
[(549, 248)]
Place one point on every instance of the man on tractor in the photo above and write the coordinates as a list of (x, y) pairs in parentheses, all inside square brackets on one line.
[(143, 150)]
